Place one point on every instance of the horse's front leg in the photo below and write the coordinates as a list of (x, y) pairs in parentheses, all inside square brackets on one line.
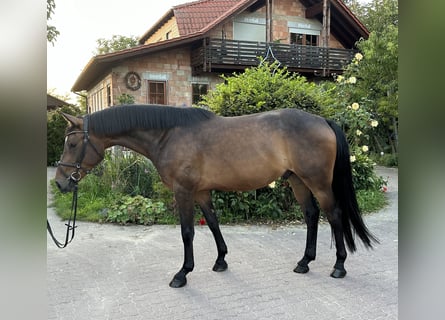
[(185, 204)]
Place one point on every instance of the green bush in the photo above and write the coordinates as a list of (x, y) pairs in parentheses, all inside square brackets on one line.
[(137, 209), (116, 178), (263, 88), (275, 203), (126, 98)]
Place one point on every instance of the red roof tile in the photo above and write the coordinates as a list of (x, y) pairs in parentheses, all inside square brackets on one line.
[(194, 16)]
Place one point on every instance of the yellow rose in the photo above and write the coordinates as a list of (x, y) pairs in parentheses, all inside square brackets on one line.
[(355, 106), (340, 78), (365, 148), (358, 132), (272, 184), (374, 123), (352, 158), (352, 80), (358, 56)]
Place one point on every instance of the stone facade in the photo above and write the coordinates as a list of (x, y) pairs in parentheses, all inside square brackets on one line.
[(169, 67)]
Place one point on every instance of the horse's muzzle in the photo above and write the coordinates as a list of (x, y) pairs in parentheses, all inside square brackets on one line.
[(66, 185)]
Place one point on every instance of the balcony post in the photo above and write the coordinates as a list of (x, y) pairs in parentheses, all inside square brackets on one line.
[(326, 33), (269, 20), (204, 45)]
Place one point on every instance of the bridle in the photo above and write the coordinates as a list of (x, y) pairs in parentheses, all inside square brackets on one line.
[(75, 177)]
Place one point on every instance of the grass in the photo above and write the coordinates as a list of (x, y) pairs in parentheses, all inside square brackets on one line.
[(371, 200)]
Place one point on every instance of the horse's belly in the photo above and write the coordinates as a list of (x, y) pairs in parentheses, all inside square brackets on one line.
[(248, 177)]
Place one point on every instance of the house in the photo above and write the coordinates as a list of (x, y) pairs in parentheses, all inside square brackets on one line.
[(184, 53)]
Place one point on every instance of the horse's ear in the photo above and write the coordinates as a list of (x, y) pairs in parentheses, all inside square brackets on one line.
[(75, 121)]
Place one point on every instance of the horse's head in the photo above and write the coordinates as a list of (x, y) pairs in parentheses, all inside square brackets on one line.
[(82, 151)]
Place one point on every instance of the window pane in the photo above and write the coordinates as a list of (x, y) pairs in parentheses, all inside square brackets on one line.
[(197, 91), (156, 94)]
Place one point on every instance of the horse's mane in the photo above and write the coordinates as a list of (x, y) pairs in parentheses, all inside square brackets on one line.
[(121, 119)]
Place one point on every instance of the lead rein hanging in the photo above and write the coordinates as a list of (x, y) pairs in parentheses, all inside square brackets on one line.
[(69, 227)]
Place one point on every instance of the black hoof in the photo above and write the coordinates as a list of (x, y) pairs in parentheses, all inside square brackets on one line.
[(301, 269), (178, 282), (338, 273), (220, 266)]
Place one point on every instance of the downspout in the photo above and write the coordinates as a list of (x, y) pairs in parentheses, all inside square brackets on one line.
[(86, 100)]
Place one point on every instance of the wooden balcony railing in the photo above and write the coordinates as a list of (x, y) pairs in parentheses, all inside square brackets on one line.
[(218, 54)]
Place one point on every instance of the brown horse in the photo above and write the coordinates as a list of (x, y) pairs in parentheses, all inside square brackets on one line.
[(196, 151)]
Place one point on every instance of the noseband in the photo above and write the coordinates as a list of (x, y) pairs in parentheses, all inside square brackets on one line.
[(75, 175)]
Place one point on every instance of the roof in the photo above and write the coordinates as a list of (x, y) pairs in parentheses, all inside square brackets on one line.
[(54, 103), (195, 19), (194, 16)]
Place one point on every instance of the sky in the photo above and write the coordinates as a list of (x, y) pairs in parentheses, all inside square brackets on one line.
[(82, 22)]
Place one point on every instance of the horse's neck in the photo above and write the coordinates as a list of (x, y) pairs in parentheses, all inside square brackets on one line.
[(146, 143)]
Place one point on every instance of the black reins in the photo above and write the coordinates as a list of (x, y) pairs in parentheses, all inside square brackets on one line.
[(69, 228), (74, 177)]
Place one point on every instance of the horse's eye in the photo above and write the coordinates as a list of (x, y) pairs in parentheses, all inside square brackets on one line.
[(72, 145)]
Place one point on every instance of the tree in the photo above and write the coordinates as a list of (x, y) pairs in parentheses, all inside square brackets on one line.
[(116, 43), (377, 15), (51, 31), (379, 79), (356, 7), (377, 72)]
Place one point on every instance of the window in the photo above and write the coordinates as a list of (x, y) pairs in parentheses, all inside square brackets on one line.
[(167, 35), (96, 100), (156, 92), (198, 90), (108, 95), (304, 39)]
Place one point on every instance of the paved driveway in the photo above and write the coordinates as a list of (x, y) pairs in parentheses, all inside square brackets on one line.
[(117, 272)]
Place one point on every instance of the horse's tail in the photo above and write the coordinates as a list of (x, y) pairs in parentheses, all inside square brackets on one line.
[(344, 193)]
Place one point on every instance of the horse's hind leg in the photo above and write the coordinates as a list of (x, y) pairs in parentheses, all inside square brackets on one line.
[(311, 216), (334, 214), (204, 200), (335, 219)]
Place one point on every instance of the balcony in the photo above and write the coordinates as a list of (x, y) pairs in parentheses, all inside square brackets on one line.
[(218, 55)]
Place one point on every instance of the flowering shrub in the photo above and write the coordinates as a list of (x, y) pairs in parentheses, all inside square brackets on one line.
[(359, 124)]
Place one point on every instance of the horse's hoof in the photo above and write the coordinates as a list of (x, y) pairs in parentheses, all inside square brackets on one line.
[(178, 282), (301, 269), (220, 266), (338, 273)]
